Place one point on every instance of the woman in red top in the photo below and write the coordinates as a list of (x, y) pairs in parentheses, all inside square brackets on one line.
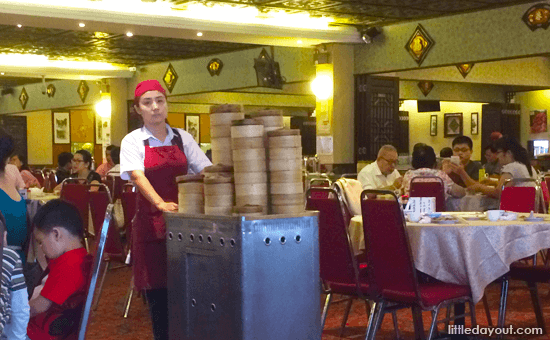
[(152, 157)]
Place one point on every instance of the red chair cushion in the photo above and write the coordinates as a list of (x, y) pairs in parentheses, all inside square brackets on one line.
[(530, 273), (348, 288), (431, 294)]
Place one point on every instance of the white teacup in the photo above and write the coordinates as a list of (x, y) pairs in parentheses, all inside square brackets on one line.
[(414, 216), (494, 215)]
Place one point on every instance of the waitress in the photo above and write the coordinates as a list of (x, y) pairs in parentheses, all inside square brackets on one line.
[(152, 157)]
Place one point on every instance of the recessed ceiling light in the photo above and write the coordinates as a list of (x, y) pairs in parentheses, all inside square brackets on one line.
[(299, 42), (2, 73), (129, 34), (19, 25), (82, 24), (199, 34)]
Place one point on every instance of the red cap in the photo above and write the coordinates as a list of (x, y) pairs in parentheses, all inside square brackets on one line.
[(495, 135), (148, 85)]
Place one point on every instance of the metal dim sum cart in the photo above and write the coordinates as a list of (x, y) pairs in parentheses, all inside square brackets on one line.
[(243, 277)]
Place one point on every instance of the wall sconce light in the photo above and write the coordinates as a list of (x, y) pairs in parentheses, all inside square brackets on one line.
[(322, 87), (368, 34), (103, 108)]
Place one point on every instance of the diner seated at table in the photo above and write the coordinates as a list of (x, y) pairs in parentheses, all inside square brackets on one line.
[(492, 166), (64, 166), (108, 164), (462, 147), (115, 158), (514, 160), (82, 163), (424, 162), (381, 174), (20, 162)]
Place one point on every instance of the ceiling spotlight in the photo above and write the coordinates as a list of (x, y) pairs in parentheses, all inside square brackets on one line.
[(19, 25), (2, 73), (199, 34), (299, 42), (129, 34), (368, 34), (82, 24)]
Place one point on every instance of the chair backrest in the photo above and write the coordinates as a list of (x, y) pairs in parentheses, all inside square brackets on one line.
[(350, 190), (350, 176), (545, 192), (102, 236), (337, 263), (39, 176), (521, 199), (128, 199), (50, 182), (75, 191), (389, 257), (429, 186)]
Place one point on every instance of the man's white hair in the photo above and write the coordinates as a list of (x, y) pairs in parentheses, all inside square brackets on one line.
[(386, 148)]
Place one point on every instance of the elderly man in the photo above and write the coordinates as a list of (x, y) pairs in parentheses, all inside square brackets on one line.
[(382, 173)]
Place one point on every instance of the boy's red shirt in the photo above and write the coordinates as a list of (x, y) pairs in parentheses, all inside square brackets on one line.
[(66, 287)]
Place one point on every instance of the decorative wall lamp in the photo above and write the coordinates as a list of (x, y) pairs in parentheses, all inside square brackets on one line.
[(419, 44), (368, 34), (464, 69), (322, 86), (425, 86)]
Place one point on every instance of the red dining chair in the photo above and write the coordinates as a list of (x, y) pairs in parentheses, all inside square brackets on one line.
[(429, 186), (521, 199), (129, 196), (50, 182), (75, 191), (102, 238), (391, 268), (114, 251), (39, 176), (339, 270)]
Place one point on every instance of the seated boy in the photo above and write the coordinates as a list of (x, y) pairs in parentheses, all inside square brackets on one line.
[(56, 307)]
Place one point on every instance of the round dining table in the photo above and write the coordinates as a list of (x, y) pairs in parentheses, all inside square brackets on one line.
[(474, 251)]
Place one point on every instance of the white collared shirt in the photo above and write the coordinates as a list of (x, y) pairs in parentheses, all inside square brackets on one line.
[(132, 151), (372, 178)]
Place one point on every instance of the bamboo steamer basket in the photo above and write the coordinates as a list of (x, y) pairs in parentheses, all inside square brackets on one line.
[(217, 119), (219, 200), (220, 169), (222, 156), (289, 176), (221, 143), (286, 188), (226, 108), (285, 164), (191, 188), (195, 209), (251, 189), (220, 131), (270, 118), (190, 194), (247, 143), (285, 153), (250, 177), (248, 154), (247, 128), (190, 199), (216, 188), (283, 138), (292, 199), (288, 209), (251, 199), (256, 165)]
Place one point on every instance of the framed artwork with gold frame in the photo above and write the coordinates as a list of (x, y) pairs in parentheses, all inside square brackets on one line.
[(452, 125)]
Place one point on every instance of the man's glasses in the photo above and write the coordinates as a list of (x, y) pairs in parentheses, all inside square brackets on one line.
[(77, 160), (390, 162), (461, 150)]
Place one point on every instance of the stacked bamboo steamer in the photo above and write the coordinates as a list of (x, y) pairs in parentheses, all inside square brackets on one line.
[(221, 117), (190, 194), (285, 171), (249, 161), (272, 119), (218, 190)]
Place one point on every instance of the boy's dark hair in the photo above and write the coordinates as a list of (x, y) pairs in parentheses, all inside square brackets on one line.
[(491, 146), (115, 155), (446, 152), (110, 147), (463, 140), (59, 213), (64, 158)]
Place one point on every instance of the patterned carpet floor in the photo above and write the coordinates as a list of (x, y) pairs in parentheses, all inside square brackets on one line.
[(107, 322)]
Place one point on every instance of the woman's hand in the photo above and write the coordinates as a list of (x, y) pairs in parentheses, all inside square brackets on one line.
[(167, 206)]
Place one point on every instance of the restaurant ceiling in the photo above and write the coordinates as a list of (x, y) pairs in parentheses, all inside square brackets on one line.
[(368, 12)]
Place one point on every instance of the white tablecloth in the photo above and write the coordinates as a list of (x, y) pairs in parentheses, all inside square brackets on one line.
[(473, 253), (475, 202)]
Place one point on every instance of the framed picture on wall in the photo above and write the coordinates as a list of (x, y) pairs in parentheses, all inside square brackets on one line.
[(192, 125), (61, 128), (475, 123), (433, 125), (452, 124)]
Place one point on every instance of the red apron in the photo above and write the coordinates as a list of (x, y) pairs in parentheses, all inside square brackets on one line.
[(162, 165)]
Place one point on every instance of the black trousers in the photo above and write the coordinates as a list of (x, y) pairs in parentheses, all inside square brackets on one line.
[(157, 300)]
